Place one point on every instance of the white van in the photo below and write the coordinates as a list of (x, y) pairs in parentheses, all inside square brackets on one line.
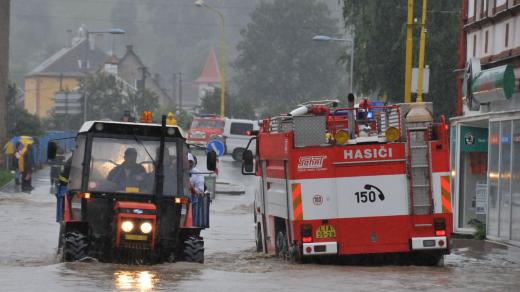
[(236, 137)]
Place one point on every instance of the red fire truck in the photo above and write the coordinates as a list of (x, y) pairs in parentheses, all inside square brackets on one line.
[(204, 128), (350, 181)]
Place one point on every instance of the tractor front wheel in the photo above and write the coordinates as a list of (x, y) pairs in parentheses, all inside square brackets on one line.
[(75, 246)]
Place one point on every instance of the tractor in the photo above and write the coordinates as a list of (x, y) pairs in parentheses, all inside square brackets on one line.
[(128, 195)]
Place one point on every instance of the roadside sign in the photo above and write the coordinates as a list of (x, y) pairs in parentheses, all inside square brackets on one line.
[(217, 146), (68, 102)]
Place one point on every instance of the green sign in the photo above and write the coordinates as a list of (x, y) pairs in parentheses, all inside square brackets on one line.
[(473, 139)]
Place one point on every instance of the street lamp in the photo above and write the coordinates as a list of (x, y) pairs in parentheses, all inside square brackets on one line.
[(112, 31), (324, 38), (201, 3)]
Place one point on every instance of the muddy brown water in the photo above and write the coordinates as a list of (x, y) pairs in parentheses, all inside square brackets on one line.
[(28, 239)]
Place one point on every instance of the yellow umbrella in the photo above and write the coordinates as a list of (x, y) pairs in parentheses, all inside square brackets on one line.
[(9, 148)]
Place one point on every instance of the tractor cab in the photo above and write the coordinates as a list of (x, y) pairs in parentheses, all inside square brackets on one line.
[(128, 197)]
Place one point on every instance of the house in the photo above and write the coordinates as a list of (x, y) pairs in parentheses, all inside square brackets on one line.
[(485, 138), (209, 79), (62, 71), (131, 69)]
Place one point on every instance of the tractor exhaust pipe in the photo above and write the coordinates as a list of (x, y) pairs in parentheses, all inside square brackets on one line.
[(351, 120)]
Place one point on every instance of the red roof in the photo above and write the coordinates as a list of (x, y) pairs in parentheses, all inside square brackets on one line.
[(210, 73)]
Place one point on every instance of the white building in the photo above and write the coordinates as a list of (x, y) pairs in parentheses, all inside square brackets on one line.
[(485, 139)]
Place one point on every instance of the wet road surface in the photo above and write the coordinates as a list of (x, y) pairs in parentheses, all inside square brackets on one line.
[(28, 260)]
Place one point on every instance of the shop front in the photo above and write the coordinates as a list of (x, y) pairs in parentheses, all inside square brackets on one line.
[(485, 169)]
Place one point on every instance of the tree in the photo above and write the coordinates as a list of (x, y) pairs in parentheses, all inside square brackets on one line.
[(20, 121), (144, 100), (183, 117), (278, 64), (380, 36), (235, 107), (26, 124), (4, 69), (107, 99)]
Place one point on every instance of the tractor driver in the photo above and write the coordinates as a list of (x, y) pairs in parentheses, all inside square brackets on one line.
[(129, 173)]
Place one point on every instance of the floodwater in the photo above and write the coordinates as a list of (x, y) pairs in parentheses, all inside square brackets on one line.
[(29, 236)]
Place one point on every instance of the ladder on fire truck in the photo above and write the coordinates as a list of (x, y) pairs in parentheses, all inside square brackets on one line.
[(419, 168)]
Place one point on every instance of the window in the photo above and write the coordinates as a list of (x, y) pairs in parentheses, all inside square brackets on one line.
[(83, 64), (475, 8), (506, 43), (474, 45), (76, 168), (240, 128), (486, 42)]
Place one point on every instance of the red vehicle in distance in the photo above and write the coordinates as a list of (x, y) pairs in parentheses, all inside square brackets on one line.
[(204, 128)]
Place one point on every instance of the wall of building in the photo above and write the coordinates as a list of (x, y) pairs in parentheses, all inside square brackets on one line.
[(477, 47), (40, 91)]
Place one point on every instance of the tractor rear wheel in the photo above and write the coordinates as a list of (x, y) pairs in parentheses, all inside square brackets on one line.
[(194, 249), (75, 246)]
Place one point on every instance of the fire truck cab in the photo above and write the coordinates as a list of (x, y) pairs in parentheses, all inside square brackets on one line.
[(351, 181), (205, 128)]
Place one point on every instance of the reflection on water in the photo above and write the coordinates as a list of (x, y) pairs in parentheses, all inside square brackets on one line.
[(135, 280)]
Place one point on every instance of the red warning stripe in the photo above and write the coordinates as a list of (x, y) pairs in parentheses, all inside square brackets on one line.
[(297, 201), (446, 194)]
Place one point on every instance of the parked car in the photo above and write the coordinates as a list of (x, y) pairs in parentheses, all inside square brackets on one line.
[(236, 136)]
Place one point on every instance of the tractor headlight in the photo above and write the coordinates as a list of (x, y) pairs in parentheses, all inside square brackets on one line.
[(127, 226), (146, 227)]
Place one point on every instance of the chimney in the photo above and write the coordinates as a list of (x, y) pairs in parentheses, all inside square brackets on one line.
[(129, 48), (68, 42)]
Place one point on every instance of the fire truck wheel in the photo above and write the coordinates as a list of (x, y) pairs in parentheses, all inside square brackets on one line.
[(194, 249), (75, 246), (259, 244), (282, 249)]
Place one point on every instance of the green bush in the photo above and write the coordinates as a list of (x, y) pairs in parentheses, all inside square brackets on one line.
[(5, 177), (480, 231)]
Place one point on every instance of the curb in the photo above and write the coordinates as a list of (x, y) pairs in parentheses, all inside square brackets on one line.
[(9, 184)]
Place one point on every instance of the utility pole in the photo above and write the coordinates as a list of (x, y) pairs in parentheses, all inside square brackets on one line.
[(141, 88), (180, 90), (409, 50), (5, 10), (422, 44)]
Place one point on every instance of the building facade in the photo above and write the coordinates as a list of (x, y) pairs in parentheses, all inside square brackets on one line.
[(485, 139), (61, 72)]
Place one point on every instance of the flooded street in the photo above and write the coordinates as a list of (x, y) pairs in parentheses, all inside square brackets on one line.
[(28, 262)]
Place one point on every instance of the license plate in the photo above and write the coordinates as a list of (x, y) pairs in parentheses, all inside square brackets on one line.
[(325, 231), (428, 243), (320, 248), (135, 237)]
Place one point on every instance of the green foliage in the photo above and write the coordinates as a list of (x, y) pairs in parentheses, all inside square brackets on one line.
[(26, 124), (144, 101), (380, 36), (278, 63), (5, 177), (183, 117), (480, 231), (21, 122), (106, 98), (235, 107)]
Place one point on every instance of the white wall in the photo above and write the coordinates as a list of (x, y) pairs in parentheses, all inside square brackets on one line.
[(471, 9), (501, 2), (496, 38)]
